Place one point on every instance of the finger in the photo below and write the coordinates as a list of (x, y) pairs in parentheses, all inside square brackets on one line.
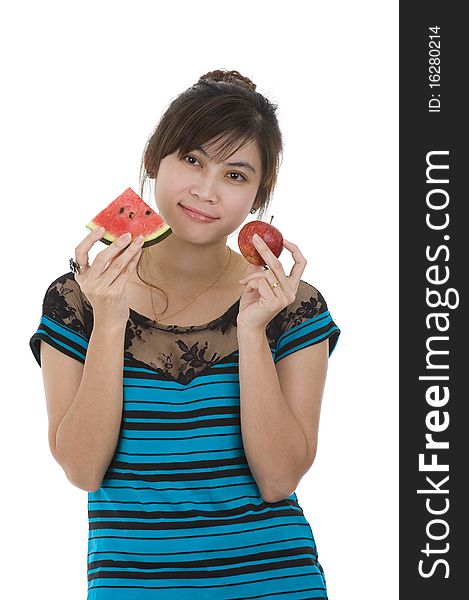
[(263, 288), (268, 274), (268, 296), (271, 278), (300, 262), (121, 262), (106, 256), (122, 276), (286, 296), (83, 248), (271, 260)]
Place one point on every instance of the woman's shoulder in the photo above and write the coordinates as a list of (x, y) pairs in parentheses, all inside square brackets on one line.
[(68, 278), (304, 322), (65, 302), (308, 303), (68, 288), (308, 300)]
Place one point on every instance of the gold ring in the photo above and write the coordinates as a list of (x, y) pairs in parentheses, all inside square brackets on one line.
[(274, 285)]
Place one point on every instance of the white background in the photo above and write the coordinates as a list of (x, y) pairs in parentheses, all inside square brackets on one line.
[(83, 86)]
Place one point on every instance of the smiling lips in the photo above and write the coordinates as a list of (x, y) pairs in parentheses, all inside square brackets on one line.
[(197, 215)]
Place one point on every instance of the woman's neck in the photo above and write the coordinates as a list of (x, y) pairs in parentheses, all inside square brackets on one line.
[(181, 264)]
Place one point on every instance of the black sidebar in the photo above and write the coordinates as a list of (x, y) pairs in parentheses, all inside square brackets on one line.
[(434, 357)]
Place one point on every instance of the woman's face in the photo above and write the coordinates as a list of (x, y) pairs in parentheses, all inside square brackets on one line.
[(224, 191)]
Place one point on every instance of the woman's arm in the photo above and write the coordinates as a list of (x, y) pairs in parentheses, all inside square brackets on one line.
[(89, 432), (280, 407)]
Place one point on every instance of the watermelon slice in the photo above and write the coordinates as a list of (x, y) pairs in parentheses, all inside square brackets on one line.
[(128, 212)]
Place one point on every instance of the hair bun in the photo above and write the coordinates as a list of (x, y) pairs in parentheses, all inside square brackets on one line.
[(229, 77)]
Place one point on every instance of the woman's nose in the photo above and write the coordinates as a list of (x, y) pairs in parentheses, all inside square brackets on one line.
[(205, 189)]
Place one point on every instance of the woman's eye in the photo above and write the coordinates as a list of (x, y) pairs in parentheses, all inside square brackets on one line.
[(239, 175), (189, 156), (239, 178)]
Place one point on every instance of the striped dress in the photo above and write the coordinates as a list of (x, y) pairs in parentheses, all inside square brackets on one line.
[(179, 515)]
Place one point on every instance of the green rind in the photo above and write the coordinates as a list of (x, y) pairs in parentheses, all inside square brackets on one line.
[(160, 234)]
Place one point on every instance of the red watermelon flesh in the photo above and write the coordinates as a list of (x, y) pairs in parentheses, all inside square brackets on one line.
[(128, 212)]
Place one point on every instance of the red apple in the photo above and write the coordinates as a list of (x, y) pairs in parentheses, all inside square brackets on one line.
[(270, 234)]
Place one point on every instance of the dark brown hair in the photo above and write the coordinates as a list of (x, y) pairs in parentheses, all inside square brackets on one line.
[(221, 104)]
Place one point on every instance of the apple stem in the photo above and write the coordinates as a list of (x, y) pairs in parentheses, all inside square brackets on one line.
[(271, 219)]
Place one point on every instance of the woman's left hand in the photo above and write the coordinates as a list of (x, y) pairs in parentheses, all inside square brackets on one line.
[(261, 302)]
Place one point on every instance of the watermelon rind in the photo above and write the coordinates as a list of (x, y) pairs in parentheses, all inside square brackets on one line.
[(158, 236)]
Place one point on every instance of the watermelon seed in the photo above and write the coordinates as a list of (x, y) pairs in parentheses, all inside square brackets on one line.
[(148, 212), (131, 214), (121, 210)]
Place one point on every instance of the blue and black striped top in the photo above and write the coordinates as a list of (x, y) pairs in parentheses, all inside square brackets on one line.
[(179, 515)]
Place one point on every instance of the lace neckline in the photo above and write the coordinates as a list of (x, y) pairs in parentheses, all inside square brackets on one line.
[(184, 328)]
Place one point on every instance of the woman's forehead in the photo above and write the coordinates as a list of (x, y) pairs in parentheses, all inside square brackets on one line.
[(240, 148)]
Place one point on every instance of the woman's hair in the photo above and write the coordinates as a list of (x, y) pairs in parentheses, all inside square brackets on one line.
[(221, 104)]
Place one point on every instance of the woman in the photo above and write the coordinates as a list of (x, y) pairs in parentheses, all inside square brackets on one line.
[(191, 438)]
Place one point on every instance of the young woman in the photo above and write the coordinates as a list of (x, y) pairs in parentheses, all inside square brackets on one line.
[(184, 384)]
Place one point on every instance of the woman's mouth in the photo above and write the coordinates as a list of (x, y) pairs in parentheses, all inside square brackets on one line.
[(197, 216)]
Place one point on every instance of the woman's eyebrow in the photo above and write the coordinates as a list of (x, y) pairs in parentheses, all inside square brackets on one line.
[(231, 164)]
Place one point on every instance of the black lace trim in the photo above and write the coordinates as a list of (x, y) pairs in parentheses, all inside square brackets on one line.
[(57, 306), (65, 303), (308, 309)]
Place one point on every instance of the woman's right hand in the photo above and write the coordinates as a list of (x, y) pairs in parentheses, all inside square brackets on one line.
[(105, 287)]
